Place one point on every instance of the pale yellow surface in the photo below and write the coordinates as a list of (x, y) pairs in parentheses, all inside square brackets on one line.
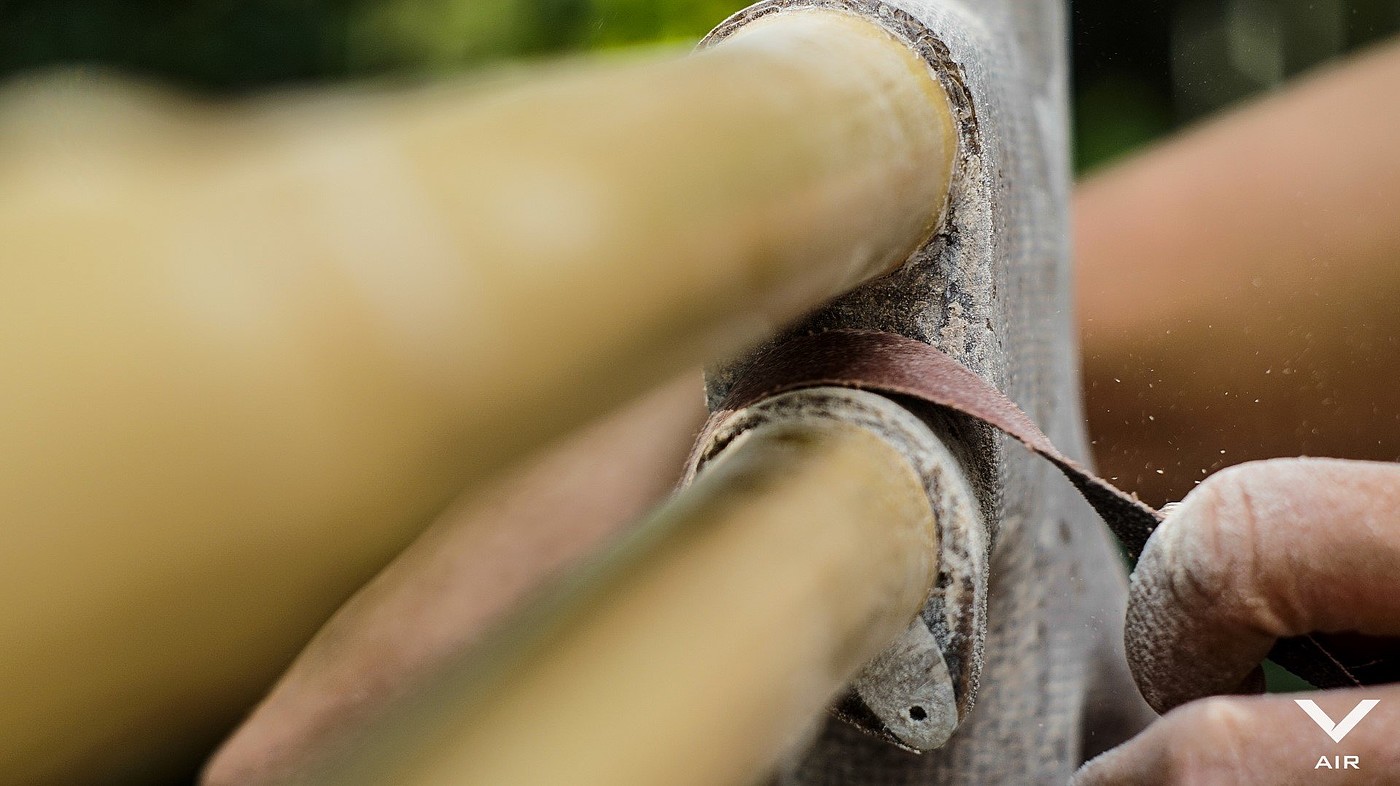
[(702, 652), (248, 351)]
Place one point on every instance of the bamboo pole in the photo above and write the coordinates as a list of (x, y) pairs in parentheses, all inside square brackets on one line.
[(705, 647), (251, 350), (478, 563)]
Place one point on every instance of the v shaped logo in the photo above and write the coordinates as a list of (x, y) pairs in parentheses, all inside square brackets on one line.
[(1337, 731)]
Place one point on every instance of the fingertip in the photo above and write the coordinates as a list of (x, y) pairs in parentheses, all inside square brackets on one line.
[(1105, 769), (1089, 774)]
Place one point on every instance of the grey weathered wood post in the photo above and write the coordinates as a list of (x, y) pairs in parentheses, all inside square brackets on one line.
[(992, 289)]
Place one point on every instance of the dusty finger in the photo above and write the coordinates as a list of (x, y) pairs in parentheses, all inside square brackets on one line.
[(1262, 551)]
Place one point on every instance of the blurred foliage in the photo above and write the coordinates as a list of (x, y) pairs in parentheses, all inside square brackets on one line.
[(634, 21), (1115, 114), (238, 45), (1140, 68), (1144, 68)]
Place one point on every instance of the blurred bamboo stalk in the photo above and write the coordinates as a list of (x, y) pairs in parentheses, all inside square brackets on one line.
[(253, 350), (481, 561), (704, 648)]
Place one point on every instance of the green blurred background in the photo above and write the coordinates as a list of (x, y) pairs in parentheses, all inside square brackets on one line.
[(1140, 68)]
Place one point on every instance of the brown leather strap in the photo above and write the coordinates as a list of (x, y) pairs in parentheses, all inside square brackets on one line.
[(895, 365), (892, 364)]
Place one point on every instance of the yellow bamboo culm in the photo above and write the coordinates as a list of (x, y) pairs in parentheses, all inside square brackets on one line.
[(704, 648), (250, 350)]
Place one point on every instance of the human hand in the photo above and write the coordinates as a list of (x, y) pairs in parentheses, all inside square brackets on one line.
[(1259, 552)]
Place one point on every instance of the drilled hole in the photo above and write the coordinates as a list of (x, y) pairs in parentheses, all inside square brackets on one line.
[(917, 713)]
